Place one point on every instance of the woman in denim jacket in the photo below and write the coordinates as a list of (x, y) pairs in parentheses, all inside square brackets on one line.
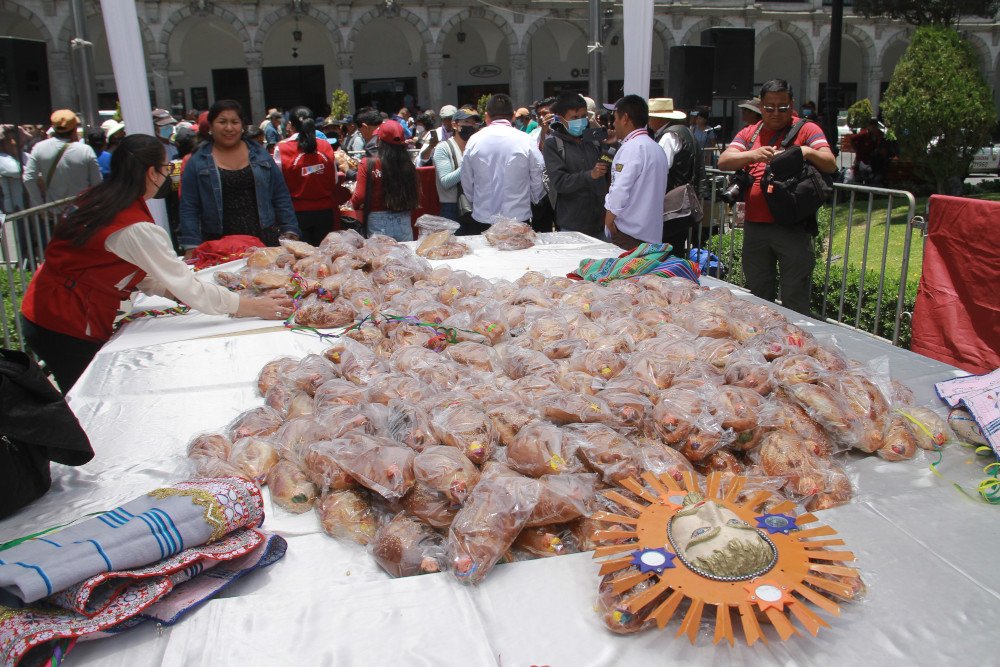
[(232, 186)]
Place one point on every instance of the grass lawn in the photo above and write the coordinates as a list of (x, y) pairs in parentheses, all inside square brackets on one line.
[(876, 234)]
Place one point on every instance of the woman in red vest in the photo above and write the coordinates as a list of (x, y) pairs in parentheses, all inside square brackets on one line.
[(310, 170), (105, 247)]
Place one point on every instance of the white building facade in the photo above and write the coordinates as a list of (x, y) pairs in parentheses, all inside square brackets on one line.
[(434, 52)]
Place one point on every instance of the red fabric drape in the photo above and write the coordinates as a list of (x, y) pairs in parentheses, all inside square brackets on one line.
[(957, 315)]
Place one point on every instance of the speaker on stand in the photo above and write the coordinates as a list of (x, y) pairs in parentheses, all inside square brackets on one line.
[(691, 76), (24, 81)]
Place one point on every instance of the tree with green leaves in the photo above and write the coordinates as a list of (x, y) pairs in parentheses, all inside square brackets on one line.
[(340, 103), (939, 105), (926, 12)]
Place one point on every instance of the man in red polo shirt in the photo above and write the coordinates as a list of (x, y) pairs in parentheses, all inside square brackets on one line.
[(770, 249)]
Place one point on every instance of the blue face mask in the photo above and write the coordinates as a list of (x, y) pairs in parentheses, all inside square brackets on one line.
[(577, 126)]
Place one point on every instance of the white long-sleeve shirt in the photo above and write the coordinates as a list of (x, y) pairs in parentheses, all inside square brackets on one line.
[(502, 173), (638, 183), (148, 247)]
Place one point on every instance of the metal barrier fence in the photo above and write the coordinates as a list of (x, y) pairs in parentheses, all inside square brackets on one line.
[(23, 237), (849, 242)]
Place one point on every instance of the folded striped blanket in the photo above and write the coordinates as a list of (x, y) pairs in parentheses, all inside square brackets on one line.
[(646, 259)]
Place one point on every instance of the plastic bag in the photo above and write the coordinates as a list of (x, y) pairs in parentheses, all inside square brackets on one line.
[(318, 460), (489, 522), (429, 506), (290, 488), (310, 373), (540, 449), (377, 463), (508, 234), (321, 314), (563, 497), (405, 547), (605, 451), (262, 421), (467, 428), (409, 425), (429, 224), (254, 457), (347, 515), (274, 372), (446, 470)]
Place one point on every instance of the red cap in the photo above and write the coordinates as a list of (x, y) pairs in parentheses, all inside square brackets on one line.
[(203, 125), (391, 132)]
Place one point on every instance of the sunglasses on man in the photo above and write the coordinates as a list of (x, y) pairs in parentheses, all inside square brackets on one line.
[(771, 109)]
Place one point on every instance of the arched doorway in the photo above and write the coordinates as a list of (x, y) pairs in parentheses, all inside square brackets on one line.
[(475, 61), (206, 59), (779, 57), (853, 62), (557, 52), (299, 64), (27, 88), (389, 64)]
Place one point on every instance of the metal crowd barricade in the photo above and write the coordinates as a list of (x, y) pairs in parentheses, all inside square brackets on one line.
[(23, 237), (853, 205)]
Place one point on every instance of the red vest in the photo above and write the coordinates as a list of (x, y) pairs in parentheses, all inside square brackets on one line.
[(78, 289), (310, 177)]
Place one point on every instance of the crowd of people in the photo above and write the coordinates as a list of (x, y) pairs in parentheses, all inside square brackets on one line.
[(564, 164)]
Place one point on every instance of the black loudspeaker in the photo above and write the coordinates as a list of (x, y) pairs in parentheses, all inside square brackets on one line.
[(24, 81), (690, 76), (734, 58)]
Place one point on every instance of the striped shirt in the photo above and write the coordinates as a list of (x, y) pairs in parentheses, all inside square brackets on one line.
[(810, 135)]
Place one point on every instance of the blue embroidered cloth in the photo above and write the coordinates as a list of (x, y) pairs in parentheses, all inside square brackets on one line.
[(146, 530)]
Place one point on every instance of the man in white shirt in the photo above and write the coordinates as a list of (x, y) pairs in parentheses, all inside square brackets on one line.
[(634, 203), (501, 168)]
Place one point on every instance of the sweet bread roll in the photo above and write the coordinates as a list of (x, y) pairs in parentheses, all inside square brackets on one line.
[(509, 418), (605, 451), (262, 421), (429, 506), (318, 459), (563, 497), (675, 416), (210, 445), (273, 373), (254, 457), (575, 408), (310, 373), (546, 541), (410, 425), (899, 443), (376, 463), (290, 488), (539, 449), (474, 355), (347, 515), (405, 547), (447, 471), (467, 428)]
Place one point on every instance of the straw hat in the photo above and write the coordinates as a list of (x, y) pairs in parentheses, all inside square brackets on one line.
[(663, 107)]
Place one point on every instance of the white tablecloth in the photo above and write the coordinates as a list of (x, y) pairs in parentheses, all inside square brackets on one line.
[(924, 548)]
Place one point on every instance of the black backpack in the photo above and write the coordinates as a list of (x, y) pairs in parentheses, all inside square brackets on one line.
[(36, 427), (793, 188)]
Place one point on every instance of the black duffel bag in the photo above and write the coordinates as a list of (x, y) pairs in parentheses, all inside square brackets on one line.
[(36, 427), (793, 188)]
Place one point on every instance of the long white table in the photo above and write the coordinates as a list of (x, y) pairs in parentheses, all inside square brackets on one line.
[(924, 548)]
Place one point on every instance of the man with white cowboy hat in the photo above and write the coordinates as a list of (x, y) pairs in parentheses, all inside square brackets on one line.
[(679, 145)]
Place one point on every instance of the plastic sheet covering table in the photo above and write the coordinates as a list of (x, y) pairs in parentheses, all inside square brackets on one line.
[(926, 550)]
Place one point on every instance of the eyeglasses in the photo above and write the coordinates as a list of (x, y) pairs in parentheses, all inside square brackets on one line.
[(782, 109)]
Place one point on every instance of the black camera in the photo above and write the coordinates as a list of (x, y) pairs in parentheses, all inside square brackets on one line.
[(737, 187)]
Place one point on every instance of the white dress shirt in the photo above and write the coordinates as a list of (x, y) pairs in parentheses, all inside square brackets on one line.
[(147, 246), (502, 173), (638, 183), (670, 144)]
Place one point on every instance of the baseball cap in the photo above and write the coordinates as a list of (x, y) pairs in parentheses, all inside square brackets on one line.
[(162, 117), (751, 105), (111, 127), (447, 111), (63, 120), (391, 132), (465, 114)]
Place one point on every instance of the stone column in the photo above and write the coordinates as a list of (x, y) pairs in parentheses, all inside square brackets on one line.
[(345, 63), (520, 89), (62, 88), (255, 75), (435, 82), (812, 83), (159, 70), (875, 87)]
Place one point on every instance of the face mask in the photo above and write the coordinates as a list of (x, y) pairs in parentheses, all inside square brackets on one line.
[(466, 131), (576, 126), (165, 131), (807, 113), (164, 189)]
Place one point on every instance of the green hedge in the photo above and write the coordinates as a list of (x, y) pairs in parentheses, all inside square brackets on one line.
[(720, 245), (9, 310)]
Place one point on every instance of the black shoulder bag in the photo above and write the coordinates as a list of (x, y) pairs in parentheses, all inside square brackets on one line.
[(36, 427), (793, 188)]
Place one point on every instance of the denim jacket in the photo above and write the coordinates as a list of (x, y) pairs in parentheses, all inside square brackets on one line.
[(201, 195)]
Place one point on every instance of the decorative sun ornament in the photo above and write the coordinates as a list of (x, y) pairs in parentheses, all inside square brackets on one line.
[(674, 547)]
